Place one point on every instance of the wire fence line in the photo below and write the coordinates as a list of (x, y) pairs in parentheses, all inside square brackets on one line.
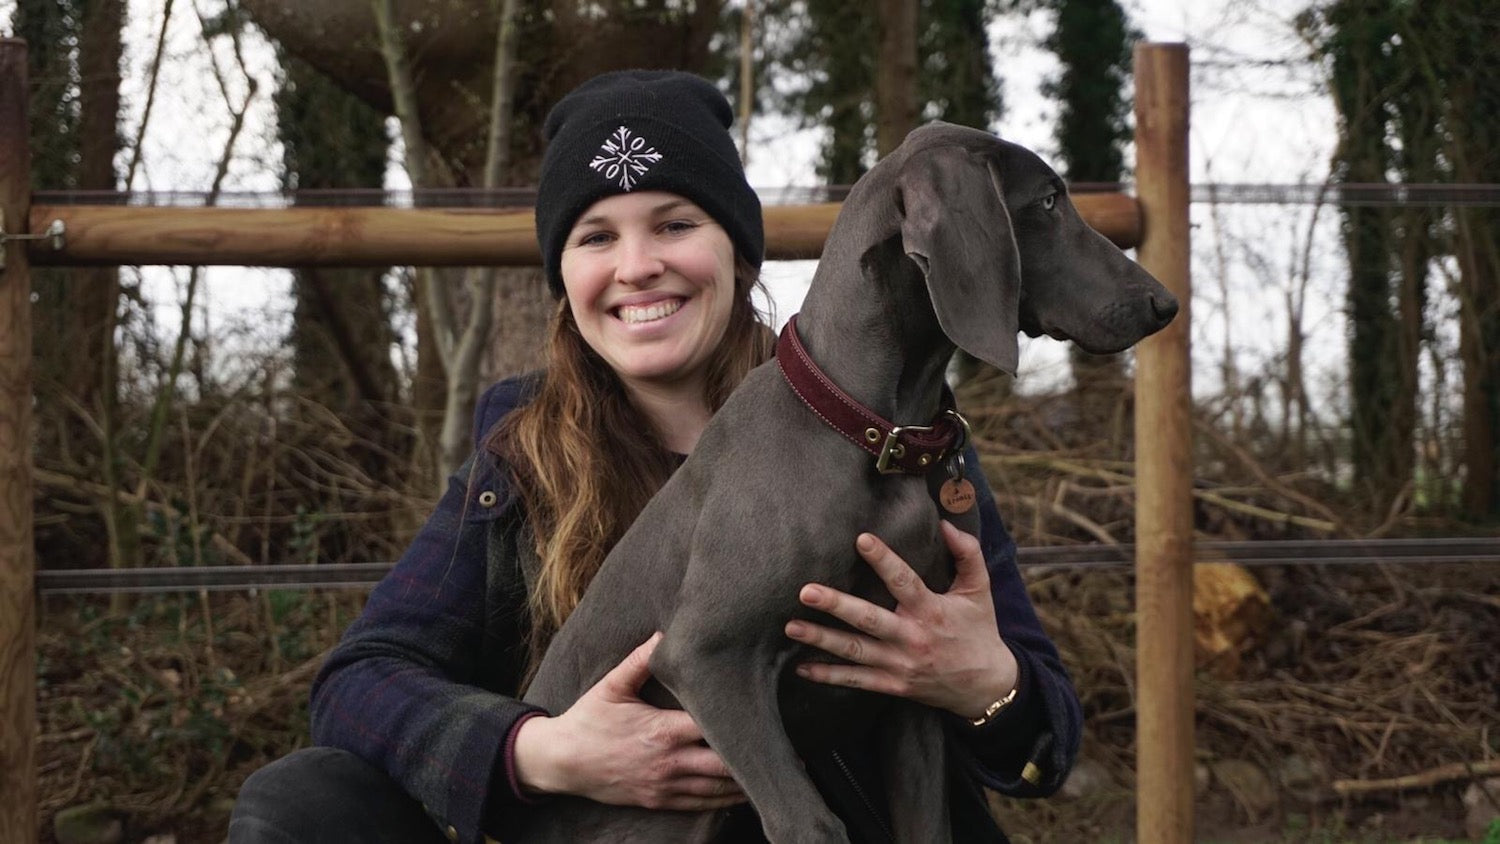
[(1478, 551), (1379, 194)]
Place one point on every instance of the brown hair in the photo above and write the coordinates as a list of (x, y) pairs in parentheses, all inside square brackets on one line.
[(585, 461)]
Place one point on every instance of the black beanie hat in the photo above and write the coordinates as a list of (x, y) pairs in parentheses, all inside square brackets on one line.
[(655, 130)]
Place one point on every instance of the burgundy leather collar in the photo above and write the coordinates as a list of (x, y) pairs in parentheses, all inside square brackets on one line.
[(912, 449)]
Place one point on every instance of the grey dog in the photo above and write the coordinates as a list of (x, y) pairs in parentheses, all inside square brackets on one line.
[(957, 238)]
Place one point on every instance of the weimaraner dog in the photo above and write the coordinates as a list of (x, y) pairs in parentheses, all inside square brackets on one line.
[(955, 239)]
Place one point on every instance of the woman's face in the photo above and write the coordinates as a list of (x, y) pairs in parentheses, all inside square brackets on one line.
[(650, 280)]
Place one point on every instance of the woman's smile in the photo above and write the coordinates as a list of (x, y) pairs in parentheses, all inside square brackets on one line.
[(647, 313)]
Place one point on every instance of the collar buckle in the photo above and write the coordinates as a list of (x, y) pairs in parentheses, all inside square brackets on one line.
[(893, 449)]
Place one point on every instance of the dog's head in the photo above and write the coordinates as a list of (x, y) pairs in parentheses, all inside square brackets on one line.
[(1004, 250)]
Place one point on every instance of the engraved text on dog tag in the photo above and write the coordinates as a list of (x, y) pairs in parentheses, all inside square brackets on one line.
[(957, 495)]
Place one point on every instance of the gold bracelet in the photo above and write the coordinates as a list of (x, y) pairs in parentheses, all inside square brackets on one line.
[(996, 708)]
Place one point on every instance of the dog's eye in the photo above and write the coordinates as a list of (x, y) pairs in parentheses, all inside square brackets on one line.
[(1049, 202)]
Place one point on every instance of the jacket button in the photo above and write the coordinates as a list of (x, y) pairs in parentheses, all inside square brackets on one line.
[(450, 831), (487, 498), (1032, 773)]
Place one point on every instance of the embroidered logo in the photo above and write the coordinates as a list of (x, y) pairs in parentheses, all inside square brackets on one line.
[(625, 158)]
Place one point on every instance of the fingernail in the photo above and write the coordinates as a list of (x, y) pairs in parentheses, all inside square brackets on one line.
[(796, 629), (804, 671), (865, 542), (811, 594)]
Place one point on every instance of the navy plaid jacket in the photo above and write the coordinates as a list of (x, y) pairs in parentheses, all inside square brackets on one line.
[(422, 684)]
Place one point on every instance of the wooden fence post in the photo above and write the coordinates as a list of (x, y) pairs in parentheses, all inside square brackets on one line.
[(1164, 460), (18, 809)]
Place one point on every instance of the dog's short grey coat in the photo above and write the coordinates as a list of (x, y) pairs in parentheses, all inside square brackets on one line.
[(956, 238)]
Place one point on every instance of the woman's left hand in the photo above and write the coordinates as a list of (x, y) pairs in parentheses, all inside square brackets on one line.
[(941, 649)]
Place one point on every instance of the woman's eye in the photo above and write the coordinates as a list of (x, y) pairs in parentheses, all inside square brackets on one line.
[(595, 239), (1049, 202), (679, 226)]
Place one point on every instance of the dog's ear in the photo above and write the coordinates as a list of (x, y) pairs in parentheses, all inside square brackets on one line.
[(956, 228)]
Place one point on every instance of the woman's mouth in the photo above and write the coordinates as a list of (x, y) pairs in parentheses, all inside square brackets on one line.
[(637, 314)]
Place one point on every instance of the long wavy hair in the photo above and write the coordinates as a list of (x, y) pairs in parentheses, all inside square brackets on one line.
[(585, 461)]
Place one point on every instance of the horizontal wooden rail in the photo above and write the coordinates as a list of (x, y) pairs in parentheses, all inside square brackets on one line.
[(1074, 557), (113, 235)]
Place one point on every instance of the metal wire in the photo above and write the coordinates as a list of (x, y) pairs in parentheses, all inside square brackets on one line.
[(1359, 194), (1480, 551)]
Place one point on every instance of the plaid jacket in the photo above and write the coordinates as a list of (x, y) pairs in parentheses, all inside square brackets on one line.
[(422, 683)]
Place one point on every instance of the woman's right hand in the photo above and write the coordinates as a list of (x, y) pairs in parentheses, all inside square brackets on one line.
[(613, 747)]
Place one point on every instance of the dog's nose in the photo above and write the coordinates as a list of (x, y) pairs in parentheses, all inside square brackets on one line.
[(1164, 305)]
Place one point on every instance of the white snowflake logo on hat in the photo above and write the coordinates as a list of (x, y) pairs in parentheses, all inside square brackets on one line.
[(625, 157)]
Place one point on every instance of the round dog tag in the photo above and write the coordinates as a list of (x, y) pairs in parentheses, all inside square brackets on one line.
[(957, 496)]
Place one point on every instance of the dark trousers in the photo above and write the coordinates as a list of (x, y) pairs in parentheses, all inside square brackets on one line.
[(321, 795)]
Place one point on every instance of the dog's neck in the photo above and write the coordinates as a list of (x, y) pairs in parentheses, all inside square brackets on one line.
[(882, 345)]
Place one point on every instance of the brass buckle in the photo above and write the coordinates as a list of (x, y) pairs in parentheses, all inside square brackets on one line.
[(893, 450)]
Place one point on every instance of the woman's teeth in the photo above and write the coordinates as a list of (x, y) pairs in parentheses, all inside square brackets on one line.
[(634, 314)]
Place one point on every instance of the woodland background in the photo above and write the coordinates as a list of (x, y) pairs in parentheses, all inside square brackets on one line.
[(318, 432)]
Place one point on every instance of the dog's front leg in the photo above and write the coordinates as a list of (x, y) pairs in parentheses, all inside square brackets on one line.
[(913, 753), (729, 684)]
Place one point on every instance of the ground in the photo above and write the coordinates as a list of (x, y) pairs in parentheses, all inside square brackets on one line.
[(1365, 673)]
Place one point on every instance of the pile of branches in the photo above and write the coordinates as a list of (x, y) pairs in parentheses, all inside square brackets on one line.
[(158, 713), (1366, 683)]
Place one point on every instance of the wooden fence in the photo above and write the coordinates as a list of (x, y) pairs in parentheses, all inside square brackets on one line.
[(1157, 223)]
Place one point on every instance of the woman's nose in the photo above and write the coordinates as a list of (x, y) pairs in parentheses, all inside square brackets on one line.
[(638, 262)]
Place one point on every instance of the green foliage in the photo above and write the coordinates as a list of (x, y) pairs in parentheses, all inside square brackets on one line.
[(1092, 41), (956, 77), (1415, 87), (1358, 40), (832, 45), (329, 137), (51, 29), (289, 611)]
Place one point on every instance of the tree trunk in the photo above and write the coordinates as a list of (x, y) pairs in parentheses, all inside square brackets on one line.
[(74, 308), (1091, 42), (1479, 348), (89, 341), (1461, 39), (895, 74), (1363, 88), (75, 104), (341, 336)]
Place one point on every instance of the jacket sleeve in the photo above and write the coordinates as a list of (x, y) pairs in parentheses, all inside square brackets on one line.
[(1028, 749), (402, 688)]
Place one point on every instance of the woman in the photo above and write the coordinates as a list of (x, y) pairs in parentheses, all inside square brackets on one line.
[(652, 240)]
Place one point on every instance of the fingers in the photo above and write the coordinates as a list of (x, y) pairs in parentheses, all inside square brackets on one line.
[(968, 558), (854, 677), (698, 780), (701, 762), (858, 613), (841, 643), (903, 583), (698, 795), (673, 728), (626, 679), (711, 787)]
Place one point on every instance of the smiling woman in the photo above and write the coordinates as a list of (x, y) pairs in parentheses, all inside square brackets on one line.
[(650, 283), (652, 241)]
